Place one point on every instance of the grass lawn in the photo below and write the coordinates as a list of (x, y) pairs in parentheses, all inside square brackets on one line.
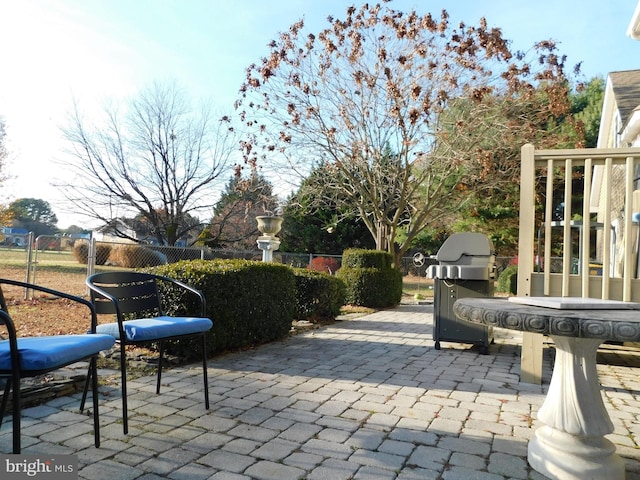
[(412, 285)]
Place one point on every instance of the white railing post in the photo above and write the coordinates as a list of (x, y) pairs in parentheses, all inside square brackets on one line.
[(531, 354)]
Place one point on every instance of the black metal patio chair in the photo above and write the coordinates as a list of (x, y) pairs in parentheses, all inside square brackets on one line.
[(32, 356), (135, 300)]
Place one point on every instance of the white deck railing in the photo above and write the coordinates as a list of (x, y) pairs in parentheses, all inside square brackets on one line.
[(603, 261)]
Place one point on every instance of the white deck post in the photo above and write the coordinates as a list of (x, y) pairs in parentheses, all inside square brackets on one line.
[(531, 353)]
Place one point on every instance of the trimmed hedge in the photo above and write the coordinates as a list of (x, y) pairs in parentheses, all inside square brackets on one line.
[(319, 296), (249, 302), (370, 279)]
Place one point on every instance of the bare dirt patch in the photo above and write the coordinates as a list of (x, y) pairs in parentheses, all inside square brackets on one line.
[(44, 315), (35, 313)]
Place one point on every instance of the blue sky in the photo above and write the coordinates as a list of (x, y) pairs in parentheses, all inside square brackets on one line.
[(90, 50)]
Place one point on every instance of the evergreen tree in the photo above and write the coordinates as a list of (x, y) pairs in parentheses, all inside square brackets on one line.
[(33, 214), (234, 224), (318, 227), (586, 106)]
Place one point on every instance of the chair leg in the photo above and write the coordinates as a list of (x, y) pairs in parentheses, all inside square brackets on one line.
[(5, 399), (16, 413), (13, 385), (94, 393), (123, 375), (160, 367), (85, 390), (204, 371)]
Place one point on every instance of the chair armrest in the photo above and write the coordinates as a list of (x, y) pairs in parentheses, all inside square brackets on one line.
[(7, 321), (50, 291)]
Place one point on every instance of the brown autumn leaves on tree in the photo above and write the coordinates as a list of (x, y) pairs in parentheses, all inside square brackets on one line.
[(402, 115)]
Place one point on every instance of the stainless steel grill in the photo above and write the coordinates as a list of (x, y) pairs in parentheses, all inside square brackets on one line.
[(466, 268)]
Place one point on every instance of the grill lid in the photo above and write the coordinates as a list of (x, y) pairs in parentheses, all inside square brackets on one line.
[(466, 256), (459, 248)]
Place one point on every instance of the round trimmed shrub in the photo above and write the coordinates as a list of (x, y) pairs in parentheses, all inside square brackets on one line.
[(81, 253), (136, 256), (363, 258), (370, 279)]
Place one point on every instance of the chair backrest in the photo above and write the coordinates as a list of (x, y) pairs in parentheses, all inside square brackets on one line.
[(135, 292)]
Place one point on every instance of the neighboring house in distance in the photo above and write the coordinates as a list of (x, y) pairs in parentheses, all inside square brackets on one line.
[(619, 128), (108, 233), (631, 132), (14, 236)]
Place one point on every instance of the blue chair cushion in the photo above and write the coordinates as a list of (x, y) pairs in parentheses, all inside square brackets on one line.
[(148, 329), (48, 353)]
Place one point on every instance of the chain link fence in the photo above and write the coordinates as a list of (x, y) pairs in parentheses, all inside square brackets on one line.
[(63, 262)]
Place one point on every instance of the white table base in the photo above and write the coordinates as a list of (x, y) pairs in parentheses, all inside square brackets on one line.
[(571, 443)]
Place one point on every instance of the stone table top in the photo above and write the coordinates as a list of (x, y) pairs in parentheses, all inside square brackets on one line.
[(616, 324)]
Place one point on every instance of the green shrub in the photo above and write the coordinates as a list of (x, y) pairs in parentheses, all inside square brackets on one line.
[(81, 253), (508, 280), (249, 302), (319, 296), (370, 279)]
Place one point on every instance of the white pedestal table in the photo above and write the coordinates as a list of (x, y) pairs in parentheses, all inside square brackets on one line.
[(571, 444)]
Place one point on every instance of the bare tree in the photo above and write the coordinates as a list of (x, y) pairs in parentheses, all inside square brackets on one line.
[(402, 112), (154, 158), (4, 153), (5, 213)]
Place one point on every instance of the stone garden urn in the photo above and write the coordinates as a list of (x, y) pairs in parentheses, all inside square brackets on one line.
[(269, 226)]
